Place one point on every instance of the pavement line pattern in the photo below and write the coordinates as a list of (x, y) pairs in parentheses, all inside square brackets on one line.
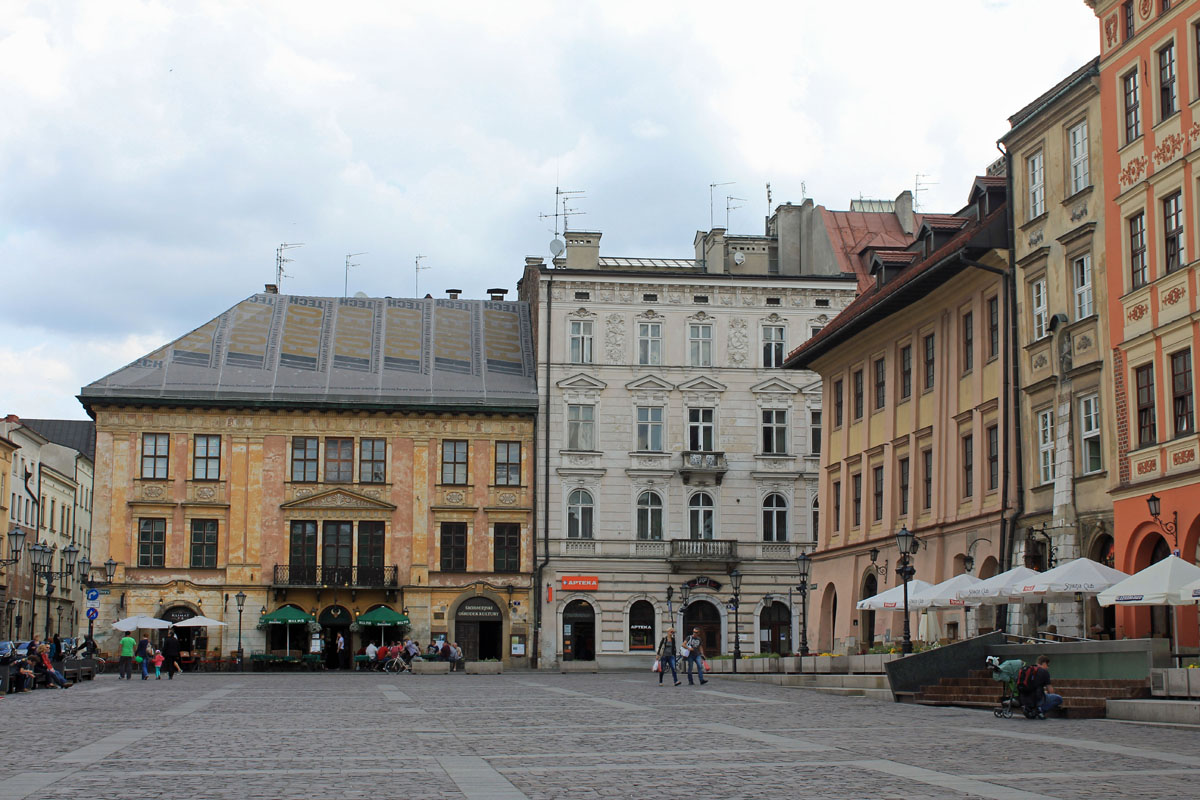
[(1086, 744), (745, 697), (25, 784), (782, 742), (585, 696), (475, 778), (957, 783), (200, 702), (102, 748)]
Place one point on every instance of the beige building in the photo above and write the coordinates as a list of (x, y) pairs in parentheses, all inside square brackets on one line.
[(8, 488), (1067, 444), (914, 380)]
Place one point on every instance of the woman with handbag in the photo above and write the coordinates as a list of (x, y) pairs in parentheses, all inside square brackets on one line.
[(667, 651)]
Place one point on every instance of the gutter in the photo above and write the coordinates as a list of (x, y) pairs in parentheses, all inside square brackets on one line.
[(1013, 406), (537, 572)]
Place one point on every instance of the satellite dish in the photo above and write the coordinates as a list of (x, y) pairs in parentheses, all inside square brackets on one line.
[(739, 258), (361, 294), (557, 247)]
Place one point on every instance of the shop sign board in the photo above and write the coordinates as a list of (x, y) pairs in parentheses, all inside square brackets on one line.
[(580, 583)]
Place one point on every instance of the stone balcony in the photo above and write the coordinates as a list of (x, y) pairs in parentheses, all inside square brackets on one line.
[(703, 467)]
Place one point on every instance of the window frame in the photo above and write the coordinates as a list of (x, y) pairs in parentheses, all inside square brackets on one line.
[(1132, 105), (372, 464), (581, 514), (856, 499), (967, 449), (927, 478), (649, 344), (452, 546), (879, 383), (814, 431), (839, 401), (1081, 278), (1139, 274), (581, 427), (993, 457), (156, 454), (774, 347), (857, 380), (205, 464), (1039, 308), (1182, 393), (309, 459), (1047, 467), (700, 430), (967, 323), (903, 478), (506, 471), (579, 341), (1168, 100), (774, 431), (648, 513), (701, 517), (1146, 418), (837, 505), (1174, 255), (700, 344), (456, 461), (906, 372), (152, 542), (993, 309), (506, 547), (1078, 154), (1089, 434), (209, 542), (649, 431), (339, 467), (774, 518), (877, 493), (930, 351), (1035, 173)]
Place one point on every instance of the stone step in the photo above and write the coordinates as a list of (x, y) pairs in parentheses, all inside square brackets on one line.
[(1177, 712), (839, 681), (837, 691)]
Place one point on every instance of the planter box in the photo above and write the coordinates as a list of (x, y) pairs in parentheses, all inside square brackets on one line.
[(832, 664), (763, 665), (484, 668), (856, 663), (577, 666), (790, 664), (431, 667), (1177, 682), (721, 666)]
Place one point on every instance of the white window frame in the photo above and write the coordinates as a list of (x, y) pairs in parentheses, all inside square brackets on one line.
[(1037, 291), (580, 351), (649, 505), (649, 429), (650, 344), (1077, 148), (773, 339), (774, 518), (581, 426), (1035, 171), (814, 432), (700, 341), (702, 518), (581, 514), (774, 431), (1046, 465), (1081, 275), (1089, 434), (701, 426)]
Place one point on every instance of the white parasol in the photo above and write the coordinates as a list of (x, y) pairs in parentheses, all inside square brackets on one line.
[(947, 594), (139, 622), (199, 622), (893, 599), (1061, 584), (1000, 589), (1160, 584)]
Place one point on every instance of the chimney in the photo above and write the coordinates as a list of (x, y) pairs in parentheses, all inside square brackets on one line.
[(904, 212), (453, 293), (497, 294), (583, 249), (271, 288)]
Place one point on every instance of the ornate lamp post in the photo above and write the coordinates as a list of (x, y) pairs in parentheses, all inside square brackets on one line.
[(241, 604), (16, 543), (804, 568), (1170, 528), (42, 555), (905, 541), (735, 580)]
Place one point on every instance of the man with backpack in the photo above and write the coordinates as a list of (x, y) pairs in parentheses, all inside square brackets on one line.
[(1033, 682)]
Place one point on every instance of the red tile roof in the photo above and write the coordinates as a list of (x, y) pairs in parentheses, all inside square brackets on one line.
[(851, 232), (944, 222)]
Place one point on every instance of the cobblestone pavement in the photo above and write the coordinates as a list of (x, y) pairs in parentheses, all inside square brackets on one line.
[(535, 735)]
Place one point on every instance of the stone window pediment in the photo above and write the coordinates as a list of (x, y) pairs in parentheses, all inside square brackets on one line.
[(581, 382), (337, 499), (649, 384), (774, 386), (701, 385)]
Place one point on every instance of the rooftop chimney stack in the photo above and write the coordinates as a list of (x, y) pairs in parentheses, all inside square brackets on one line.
[(453, 293), (497, 294), (271, 288)]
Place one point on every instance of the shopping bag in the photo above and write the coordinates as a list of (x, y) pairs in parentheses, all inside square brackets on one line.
[(657, 666), (685, 651), (707, 668)]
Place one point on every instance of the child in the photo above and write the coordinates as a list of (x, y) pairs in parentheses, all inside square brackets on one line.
[(157, 661)]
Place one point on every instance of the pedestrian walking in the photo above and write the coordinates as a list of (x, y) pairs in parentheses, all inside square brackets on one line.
[(693, 651), (667, 652), (170, 653), (343, 655), (143, 654), (157, 661), (125, 665)]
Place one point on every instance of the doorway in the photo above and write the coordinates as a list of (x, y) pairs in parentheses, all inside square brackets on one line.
[(775, 629), (866, 621), (479, 629), (190, 639), (334, 620), (704, 615), (579, 632)]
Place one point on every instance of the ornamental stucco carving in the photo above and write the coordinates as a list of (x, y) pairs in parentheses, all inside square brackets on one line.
[(455, 498), (614, 338), (739, 343)]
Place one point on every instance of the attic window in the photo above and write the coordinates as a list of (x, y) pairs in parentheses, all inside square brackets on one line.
[(774, 301), (583, 295), (649, 298), (822, 302), (699, 298)]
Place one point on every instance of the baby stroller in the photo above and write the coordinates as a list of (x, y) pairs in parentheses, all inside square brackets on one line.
[(1011, 699)]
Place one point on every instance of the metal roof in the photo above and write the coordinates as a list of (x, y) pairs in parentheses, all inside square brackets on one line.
[(77, 434), (620, 262)]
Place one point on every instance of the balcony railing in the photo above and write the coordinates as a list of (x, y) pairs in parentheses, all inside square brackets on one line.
[(703, 549), (703, 467), (353, 577)]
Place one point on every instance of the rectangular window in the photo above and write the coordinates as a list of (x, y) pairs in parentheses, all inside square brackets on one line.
[(304, 459), (968, 341), (993, 307), (1137, 250), (204, 544), (372, 461), (1046, 466), (1127, 15), (1081, 270), (906, 372), (1133, 106), (1089, 434), (454, 547), (858, 394), (155, 449), (339, 460), (1173, 232), (1077, 142), (302, 565), (152, 542), (968, 465), (1037, 185), (1041, 318), (700, 429), (508, 463), (506, 544), (877, 493), (1166, 81), (581, 427), (772, 345), (1181, 391), (206, 458), (774, 431), (371, 551), (837, 505), (1147, 427), (880, 383), (903, 468), (454, 462), (929, 361), (814, 434), (856, 498), (581, 342), (649, 343), (700, 345), (838, 403), (927, 478), (993, 457), (337, 547), (650, 429)]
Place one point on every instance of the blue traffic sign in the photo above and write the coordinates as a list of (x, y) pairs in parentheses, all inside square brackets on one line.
[(92, 594), (93, 613)]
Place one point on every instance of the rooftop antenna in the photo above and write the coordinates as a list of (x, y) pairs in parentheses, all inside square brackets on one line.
[(920, 186), (560, 199), (712, 186), (417, 273), (281, 259), (346, 287), (730, 207), (768, 198)]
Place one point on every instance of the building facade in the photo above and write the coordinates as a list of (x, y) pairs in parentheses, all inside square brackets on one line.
[(673, 449), (336, 455), (1068, 443), (1149, 94), (7, 501), (914, 387)]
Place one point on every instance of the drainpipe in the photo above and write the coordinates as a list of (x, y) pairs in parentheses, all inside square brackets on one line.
[(537, 575)]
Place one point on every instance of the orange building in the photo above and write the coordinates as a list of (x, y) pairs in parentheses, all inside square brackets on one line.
[(1150, 99)]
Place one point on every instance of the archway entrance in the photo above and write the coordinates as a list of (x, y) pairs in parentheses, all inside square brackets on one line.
[(704, 615), (828, 618), (579, 632), (191, 640), (1101, 620), (479, 629), (1160, 616), (335, 620), (866, 620), (775, 629)]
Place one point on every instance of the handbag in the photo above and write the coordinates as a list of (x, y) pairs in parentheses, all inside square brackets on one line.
[(707, 668), (686, 651), (657, 666)]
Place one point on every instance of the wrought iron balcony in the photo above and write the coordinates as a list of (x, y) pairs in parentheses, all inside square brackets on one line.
[(703, 550), (353, 577), (703, 467)]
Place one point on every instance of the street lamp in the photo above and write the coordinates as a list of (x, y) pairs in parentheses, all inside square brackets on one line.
[(1170, 528), (16, 542), (804, 568), (906, 543), (735, 580), (42, 555), (880, 570), (59, 609), (241, 604)]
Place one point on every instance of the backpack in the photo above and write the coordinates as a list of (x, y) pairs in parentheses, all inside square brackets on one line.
[(1025, 679)]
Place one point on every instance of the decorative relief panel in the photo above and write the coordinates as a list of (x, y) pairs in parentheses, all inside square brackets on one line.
[(1173, 295), (1168, 149), (506, 498), (614, 338), (455, 498), (1137, 312), (739, 343), (1132, 172)]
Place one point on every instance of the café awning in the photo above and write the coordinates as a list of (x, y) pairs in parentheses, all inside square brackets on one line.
[(286, 615), (382, 616)]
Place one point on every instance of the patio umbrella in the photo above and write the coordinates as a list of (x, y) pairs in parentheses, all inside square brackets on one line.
[(1000, 589), (1061, 584), (947, 594), (198, 622), (1163, 583), (383, 617), (893, 599), (287, 616), (140, 621)]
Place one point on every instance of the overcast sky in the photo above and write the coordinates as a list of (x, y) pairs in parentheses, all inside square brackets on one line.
[(154, 154)]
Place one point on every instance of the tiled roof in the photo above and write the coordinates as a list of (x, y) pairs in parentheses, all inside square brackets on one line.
[(851, 232), (901, 257), (77, 434), (944, 222), (1088, 70)]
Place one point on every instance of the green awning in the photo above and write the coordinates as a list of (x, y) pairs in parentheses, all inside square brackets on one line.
[(382, 616), (286, 615)]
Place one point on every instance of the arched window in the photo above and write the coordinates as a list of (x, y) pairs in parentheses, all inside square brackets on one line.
[(579, 515), (641, 626), (815, 531), (649, 516), (700, 516), (774, 518)]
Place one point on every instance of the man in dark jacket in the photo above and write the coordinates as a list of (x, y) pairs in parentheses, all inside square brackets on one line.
[(1043, 692), (170, 651)]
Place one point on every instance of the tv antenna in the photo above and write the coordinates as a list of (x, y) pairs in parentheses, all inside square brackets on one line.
[(281, 259), (768, 198), (730, 207), (560, 201), (712, 186), (417, 273), (346, 287), (920, 186)]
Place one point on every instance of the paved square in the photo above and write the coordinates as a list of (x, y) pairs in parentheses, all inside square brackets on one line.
[(535, 735)]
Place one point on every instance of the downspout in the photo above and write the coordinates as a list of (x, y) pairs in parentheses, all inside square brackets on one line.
[(1013, 406), (537, 578)]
